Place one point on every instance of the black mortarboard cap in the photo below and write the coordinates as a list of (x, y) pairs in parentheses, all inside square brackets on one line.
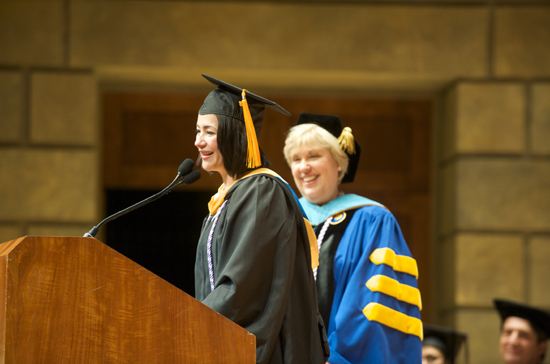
[(446, 339), (225, 101), (230, 100), (333, 125), (538, 318)]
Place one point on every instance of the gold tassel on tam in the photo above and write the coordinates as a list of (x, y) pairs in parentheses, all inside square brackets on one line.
[(253, 159), (346, 140)]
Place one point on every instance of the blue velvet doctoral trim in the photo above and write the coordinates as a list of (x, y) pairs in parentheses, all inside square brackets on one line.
[(318, 214)]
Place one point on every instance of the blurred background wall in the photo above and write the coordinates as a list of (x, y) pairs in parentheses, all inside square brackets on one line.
[(483, 66)]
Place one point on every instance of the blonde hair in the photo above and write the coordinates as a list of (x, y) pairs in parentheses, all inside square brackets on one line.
[(314, 136)]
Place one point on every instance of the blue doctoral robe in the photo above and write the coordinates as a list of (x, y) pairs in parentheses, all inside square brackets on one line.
[(374, 313)]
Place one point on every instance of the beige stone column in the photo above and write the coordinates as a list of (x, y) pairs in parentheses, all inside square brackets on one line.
[(49, 146), (49, 179), (494, 205)]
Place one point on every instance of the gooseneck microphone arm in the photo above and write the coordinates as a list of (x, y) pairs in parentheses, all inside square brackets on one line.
[(189, 176)]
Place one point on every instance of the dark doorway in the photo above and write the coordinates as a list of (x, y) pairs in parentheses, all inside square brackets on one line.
[(161, 236)]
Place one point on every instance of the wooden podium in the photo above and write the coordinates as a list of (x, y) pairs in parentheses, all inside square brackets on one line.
[(75, 300)]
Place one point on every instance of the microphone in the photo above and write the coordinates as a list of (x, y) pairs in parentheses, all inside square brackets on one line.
[(185, 169)]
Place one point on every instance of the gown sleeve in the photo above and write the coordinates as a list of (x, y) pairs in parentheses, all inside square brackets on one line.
[(254, 248), (375, 316)]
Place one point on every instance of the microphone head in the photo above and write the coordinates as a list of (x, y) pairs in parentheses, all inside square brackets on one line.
[(185, 167), (191, 177)]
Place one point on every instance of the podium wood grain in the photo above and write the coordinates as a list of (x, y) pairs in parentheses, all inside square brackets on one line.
[(75, 300)]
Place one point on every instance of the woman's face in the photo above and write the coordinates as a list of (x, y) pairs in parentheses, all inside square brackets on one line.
[(206, 141), (315, 173), (432, 355)]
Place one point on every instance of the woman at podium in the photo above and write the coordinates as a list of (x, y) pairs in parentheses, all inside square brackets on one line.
[(254, 258)]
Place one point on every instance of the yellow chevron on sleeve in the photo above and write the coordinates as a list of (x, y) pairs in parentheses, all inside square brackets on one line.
[(400, 263), (394, 319), (392, 287)]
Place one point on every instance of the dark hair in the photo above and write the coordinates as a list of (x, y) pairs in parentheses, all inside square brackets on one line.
[(232, 144), (541, 337)]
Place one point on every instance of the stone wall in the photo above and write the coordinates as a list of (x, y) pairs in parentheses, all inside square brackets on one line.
[(485, 63), (49, 175), (495, 175)]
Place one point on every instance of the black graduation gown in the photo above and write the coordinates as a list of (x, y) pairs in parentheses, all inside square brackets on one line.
[(262, 271)]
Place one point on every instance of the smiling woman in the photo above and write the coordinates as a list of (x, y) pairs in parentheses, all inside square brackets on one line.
[(367, 278), (206, 141), (317, 167), (254, 258)]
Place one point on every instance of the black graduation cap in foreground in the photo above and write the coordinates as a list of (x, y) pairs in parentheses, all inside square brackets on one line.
[(333, 125), (255, 101), (242, 105), (538, 318), (446, 339)]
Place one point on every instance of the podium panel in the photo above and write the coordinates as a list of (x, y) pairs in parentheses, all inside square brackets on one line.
[(75, 300)]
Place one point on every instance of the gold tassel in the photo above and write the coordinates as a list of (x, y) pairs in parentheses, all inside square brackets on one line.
[(346, 140), (253, 159)]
